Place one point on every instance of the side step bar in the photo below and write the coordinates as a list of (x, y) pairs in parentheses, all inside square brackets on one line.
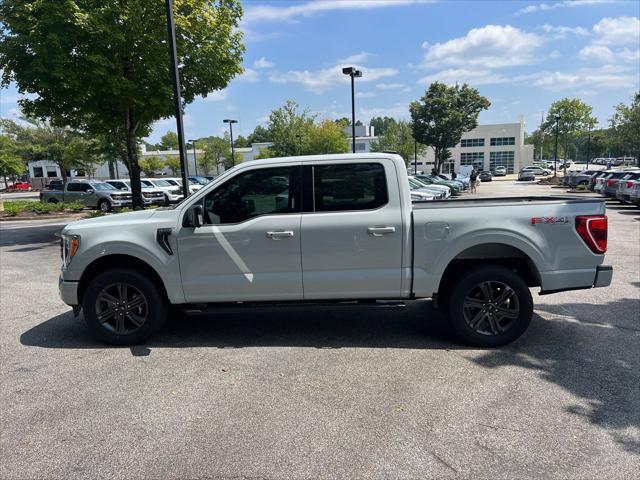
[(275, 307)]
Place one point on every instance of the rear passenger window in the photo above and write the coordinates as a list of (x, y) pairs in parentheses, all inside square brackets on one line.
[(74, 187), (356, 186)]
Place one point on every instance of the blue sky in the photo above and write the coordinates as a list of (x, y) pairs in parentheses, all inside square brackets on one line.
[(520, 55)]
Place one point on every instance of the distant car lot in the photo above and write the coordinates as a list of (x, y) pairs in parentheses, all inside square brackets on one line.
[(329, 394)]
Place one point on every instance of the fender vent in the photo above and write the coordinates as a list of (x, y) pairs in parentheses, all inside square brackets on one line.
[(162, 237)]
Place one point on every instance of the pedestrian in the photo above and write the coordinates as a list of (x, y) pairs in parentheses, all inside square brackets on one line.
[(453, 175), (434, 172), (473, 178)]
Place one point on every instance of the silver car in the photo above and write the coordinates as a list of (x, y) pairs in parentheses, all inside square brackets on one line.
[(150, 196)]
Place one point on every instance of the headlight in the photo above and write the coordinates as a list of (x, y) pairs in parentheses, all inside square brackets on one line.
[(68, 247)]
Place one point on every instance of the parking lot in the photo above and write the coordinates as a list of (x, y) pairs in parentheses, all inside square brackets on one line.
[(323, 394)]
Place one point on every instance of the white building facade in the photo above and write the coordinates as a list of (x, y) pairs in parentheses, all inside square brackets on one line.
[(486, 148)]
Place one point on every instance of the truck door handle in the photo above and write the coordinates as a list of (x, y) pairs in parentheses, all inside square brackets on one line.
[(379, 231), (279, 235)]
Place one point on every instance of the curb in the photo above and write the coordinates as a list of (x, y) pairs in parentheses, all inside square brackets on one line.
[(39, 217)]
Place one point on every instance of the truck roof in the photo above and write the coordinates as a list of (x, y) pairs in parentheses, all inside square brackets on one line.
[(339, 156)]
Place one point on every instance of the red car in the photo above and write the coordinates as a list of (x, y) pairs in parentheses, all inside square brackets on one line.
[(21, 186)]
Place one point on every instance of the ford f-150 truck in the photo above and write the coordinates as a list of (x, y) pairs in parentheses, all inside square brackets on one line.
[(337, 230), (89, 192)]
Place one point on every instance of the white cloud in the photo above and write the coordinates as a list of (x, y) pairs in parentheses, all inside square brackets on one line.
[(496, 46), (473, 76), (216, 96), (365, 95), (249, 75), (361, 57), (617, 31), (604, 54), (399, 110), (596, 78), (390, 86), (272, 13), (262, 62), (542, 7), (561, 31), (319, 81)]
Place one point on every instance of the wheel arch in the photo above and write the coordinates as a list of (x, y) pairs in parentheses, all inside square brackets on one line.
[(490, 253), (109, 262)]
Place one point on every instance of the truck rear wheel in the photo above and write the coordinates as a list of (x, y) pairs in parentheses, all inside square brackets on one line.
[(123, 307), (490, 306)]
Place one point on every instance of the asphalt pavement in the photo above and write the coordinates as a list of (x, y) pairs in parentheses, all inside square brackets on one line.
[(322, 394)]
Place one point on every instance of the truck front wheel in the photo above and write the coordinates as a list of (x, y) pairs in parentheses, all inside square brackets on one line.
[(123, 307), (490, 306), (104, 205)]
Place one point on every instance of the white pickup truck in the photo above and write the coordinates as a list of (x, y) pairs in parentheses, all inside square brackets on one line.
[(333, 229)]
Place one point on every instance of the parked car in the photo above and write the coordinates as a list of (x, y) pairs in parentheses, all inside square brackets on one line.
[(177, 182), (610, 184), (172, 193), (456, 182), (594, 179), (421, 196), (526, 176), (150, 196), (22, 186), (485, 177), (353, 235), (91, 193), (537, 170), (573, 179), (433, 180), (634, 197), (198, 179), (55, 185), (625, 187), (499, 172), (438, 191)]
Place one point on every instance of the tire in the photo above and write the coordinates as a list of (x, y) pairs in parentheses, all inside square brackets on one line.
[(544, 174), (167, 203), (104, 205), (481, 321), (111, 320)]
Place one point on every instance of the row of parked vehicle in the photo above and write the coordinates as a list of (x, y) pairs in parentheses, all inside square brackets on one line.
[(622, 184), (436, 187), (109, 194)]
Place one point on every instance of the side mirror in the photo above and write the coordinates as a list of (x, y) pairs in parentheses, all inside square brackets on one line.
[(193, 217), (124, 188), (90, 190)]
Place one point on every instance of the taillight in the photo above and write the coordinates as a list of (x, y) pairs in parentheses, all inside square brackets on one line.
[(629, 184), (593, 230), (610, 183)]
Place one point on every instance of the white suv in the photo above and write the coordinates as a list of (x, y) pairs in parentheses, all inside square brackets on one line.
[(537, 170)]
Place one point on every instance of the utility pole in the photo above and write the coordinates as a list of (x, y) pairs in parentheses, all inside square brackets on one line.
[(555, 150), (353, 73), (588, 146), (177, 96), (231, 122)]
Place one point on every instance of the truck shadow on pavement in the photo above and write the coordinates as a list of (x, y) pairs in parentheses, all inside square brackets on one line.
[(34, 238), (594, 356)]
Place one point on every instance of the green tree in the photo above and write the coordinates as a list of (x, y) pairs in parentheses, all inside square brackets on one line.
[(288, 128), (443, 114), (574, 118), (240, 142), (10, 161), (625, 125), (398, 137), (265, 153), (217, 151), (173, 163), (259, 135), (150, 165), (325, 137), (104, 66), (169, 141), (41, 140), (381, 124)]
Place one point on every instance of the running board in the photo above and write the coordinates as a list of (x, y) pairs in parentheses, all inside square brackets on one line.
[(274, 307)]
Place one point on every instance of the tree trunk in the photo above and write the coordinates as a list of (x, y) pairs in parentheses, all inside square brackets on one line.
[(134, 167), (112, 170)]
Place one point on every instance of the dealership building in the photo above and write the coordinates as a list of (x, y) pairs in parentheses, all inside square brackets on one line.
[(485, 148)]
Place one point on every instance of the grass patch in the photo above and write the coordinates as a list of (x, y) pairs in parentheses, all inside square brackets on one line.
[(14, 208)]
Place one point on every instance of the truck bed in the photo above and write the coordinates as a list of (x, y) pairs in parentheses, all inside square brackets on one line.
[(504, 201)]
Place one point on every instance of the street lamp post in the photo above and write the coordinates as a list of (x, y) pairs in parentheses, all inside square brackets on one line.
[(177, 96), (415, 157), (555, 149), (231, 122), (299, 137), (195, 157), (588, 146), (353, 73)]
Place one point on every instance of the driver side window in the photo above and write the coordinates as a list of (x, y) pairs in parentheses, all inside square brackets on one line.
[(264, 191)]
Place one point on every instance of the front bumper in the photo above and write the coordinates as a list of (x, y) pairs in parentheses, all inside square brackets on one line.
[(120, 203), (68, 291)]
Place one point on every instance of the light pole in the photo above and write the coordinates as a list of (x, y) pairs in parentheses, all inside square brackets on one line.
[(195, 158), (353, 73), (555, 149), (588, 146), (415, 157), (231, 122), (177, 97), (299, 137)]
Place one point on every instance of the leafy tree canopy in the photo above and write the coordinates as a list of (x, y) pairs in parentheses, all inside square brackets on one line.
[(104, 66), (626, 127), (288, 128), (381, 124), (169, 141), (325, 137), (443, 114), (259, 135), (398, 137), (151, 164)]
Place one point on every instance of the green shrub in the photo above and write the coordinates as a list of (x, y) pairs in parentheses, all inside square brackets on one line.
[(581, 187), (95, 213), (75, 206), (11, 210)]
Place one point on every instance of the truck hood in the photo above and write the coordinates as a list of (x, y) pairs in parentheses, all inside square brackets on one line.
[(119, 220)]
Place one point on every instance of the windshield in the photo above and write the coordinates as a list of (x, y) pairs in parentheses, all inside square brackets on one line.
[(103, 186), (200, 180), (146, 183), (162, 183)]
